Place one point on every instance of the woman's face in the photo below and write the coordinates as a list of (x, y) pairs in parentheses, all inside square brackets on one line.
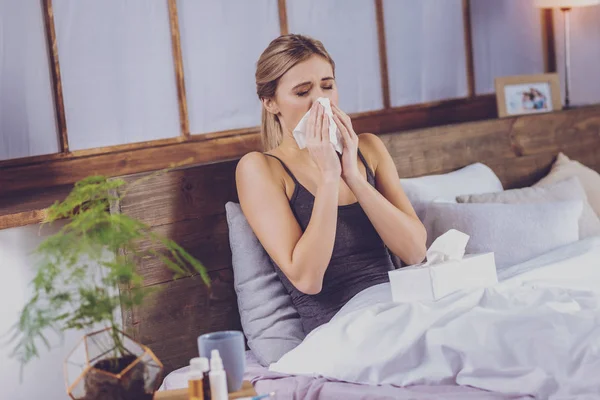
[(299, 87)]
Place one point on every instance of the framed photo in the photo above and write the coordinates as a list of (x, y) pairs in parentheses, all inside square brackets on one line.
[(527, 94)]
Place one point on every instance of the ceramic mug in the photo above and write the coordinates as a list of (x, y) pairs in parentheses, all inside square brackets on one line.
[(232, 351)]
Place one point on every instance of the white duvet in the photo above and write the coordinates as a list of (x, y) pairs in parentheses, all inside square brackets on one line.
[(535, 333)]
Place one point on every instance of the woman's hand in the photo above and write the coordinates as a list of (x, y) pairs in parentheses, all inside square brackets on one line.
[(318, 144), (350, 169)]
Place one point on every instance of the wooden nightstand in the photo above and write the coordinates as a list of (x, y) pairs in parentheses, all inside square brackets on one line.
[(182, 394)]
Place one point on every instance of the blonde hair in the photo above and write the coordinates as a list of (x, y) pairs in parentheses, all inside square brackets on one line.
[(281, 55)]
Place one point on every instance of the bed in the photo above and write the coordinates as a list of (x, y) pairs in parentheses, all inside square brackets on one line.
[(187, 205)]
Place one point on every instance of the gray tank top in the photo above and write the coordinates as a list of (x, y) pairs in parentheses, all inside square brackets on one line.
[(360, 259)]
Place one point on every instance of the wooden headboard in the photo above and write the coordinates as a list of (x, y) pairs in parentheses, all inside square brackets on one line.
[(188, 205)]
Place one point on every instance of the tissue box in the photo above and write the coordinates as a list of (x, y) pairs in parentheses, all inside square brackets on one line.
[(432, 282)]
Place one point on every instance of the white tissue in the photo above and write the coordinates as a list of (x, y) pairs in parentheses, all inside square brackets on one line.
[(448, 247), (334, 133)]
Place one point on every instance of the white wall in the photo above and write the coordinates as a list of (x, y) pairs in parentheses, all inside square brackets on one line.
[(585, 54), (42, 378), (27, 124), (119, 81)]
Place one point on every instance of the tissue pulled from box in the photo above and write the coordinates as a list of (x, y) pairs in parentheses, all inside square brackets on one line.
[(449, 246), (334, 133)]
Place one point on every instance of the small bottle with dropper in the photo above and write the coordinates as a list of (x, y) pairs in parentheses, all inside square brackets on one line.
[(218, 379), (195, 380)]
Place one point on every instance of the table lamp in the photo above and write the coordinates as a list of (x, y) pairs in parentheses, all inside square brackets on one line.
[(565, 6)]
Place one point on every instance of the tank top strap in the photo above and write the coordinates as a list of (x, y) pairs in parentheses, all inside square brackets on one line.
[(370, 173), (285, 167)]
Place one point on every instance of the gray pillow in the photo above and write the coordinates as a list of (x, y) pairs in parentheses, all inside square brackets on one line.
[(269, 319), (514, 232), (567, 189)]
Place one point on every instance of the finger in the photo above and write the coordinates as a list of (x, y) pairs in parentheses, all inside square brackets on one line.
[(339, 110), (319, 123), (343, 130), (339, 114), (325, 130), (346, 121), (312, 118)]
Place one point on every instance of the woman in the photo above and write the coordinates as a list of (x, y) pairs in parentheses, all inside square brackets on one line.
[(326, 221)]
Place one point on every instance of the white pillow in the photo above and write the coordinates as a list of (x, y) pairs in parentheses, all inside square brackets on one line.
[(564, 167), (473, 179)]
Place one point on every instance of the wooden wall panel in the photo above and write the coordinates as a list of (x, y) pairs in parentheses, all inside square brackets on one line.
[(551, 132), (184, 120), (206, 238), (443, 149), (185, 195), (181, 310), (59, 105), (70, 170)]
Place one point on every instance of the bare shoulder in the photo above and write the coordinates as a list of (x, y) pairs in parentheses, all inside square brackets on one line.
[(370, 142), (372, 149), (252, 166), (256, 176)]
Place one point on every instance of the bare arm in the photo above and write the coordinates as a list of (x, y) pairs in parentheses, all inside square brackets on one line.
[(302, 256), (387, 207)]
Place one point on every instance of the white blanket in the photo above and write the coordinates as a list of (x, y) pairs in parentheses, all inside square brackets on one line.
[(535, 333)]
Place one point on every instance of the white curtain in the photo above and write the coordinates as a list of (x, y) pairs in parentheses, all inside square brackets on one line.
[(27, 123), (348, 31), (221, 42), (426, 50), (585, 54), (117, 71), (507, 40)]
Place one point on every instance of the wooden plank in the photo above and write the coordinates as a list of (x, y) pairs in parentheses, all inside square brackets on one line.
[(247, 390), (57, 91), (32, 199), (426, 115), (205, 238), (283, 20), (383, 62), (442, 149), (29, 207), (521, 171), (184, 194), (468, 36), (179, 311), (22, 218), (67, 171), (548, 133), (548, 40), (178, 64)]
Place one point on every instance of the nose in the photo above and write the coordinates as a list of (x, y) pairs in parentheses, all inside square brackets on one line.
[(319, 92)]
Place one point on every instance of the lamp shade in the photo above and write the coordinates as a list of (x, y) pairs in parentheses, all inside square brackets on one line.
[(565, 3)]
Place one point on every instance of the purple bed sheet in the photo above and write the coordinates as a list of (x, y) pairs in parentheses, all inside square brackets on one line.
[(292, 387)]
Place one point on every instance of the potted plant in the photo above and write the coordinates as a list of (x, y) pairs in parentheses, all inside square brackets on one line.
[(77, 287)]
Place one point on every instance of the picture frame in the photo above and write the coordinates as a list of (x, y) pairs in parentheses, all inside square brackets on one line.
[(527, 94)]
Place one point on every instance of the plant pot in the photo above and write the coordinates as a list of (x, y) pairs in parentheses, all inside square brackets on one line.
[(99, 369)]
